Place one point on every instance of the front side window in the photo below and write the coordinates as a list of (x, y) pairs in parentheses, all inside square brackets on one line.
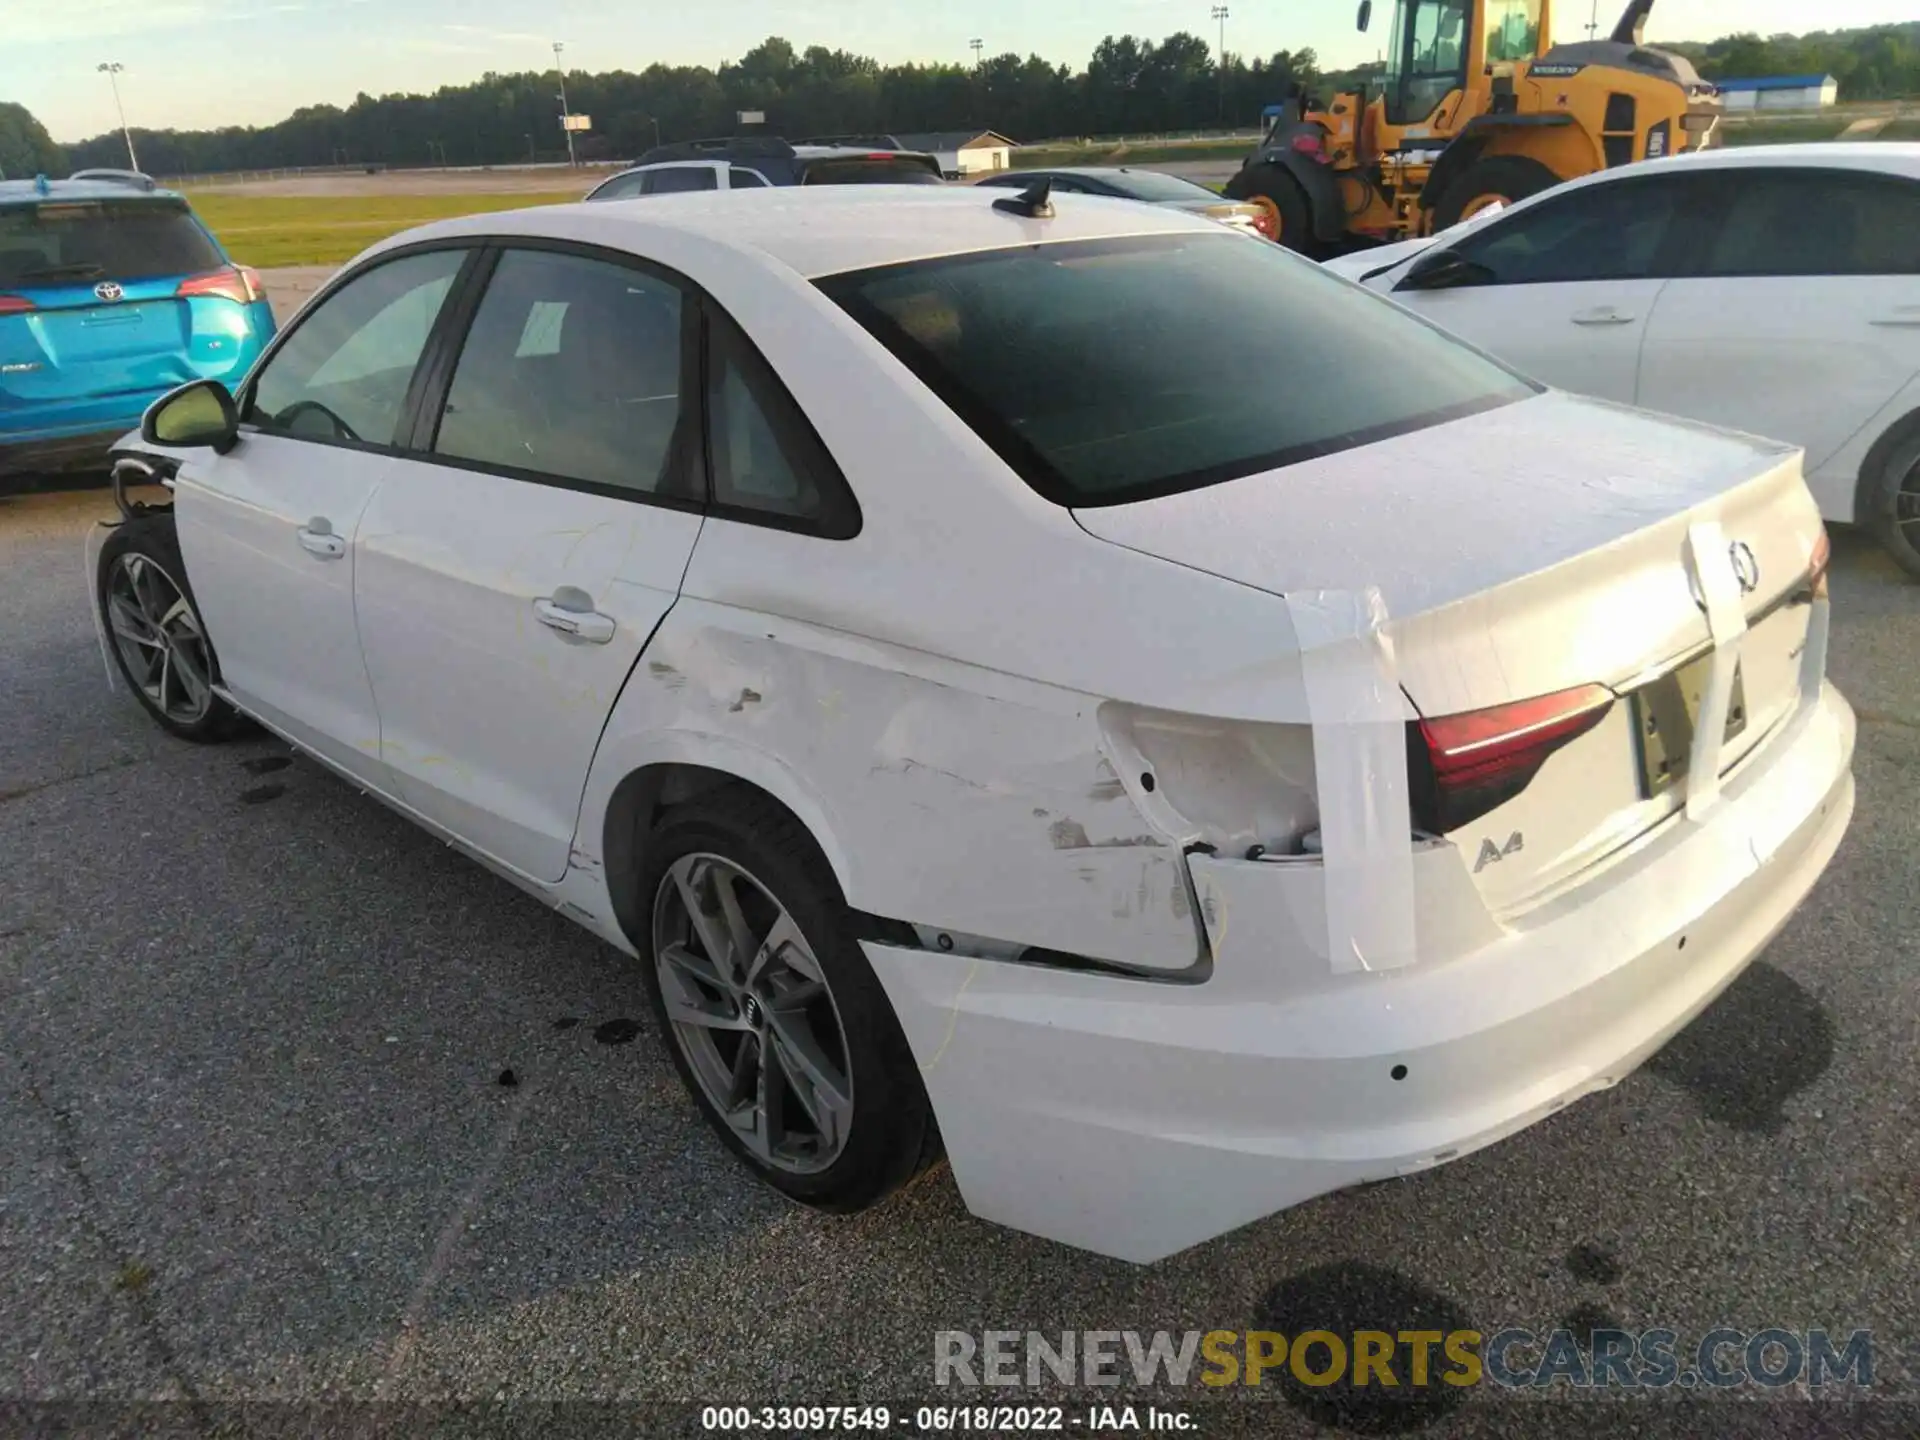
[(1115, 370), (677, 178), (344, 371), (571, 370), (1427, 61), (1612, 231), (621, 187), (1513, 30), (1811, 222)]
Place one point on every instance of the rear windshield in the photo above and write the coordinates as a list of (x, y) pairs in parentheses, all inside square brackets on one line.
[(1108, 371), (871, 172), (1151, 185), (59, 241)]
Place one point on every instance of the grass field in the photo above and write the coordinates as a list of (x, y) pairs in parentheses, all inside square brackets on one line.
[(274, 230)]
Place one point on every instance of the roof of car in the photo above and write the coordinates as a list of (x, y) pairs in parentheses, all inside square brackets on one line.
[(1899, 156), (19, 192), (826, 229)]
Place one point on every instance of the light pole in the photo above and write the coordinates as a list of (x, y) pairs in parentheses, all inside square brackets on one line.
[(564, 115), (111, 69), (1220, 14), (1593, 21), (976, 46)]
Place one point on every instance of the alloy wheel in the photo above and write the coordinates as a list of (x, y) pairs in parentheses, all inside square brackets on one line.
[(159, 638), (751, 1010), (1906, 507)]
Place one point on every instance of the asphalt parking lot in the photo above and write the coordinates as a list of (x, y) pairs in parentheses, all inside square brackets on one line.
[(255, 1140)]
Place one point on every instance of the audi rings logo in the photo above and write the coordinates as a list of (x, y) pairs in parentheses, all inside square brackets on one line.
[(1746, 569), (109, 291)]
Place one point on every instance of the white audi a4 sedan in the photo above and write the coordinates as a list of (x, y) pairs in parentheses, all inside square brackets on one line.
[(1773, 288), (1064, 684)]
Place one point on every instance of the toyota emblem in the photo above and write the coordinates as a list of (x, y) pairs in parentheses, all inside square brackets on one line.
[(108, 290), (1746, 569)]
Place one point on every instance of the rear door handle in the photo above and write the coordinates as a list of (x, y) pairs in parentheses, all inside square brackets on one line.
[(317, 538), (570, 611), (1603, 315)]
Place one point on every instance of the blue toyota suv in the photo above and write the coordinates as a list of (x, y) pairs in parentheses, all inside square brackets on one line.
[(111, 293)]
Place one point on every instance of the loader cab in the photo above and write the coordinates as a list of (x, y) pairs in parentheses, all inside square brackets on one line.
[(1436, 45)]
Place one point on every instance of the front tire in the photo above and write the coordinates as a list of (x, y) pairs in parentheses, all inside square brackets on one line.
[(779, 1028), (1285, 202), (1507, 178), (1895, 514), (155, 633)]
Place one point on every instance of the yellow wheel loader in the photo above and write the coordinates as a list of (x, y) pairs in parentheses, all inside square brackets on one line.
[(1477, 106)]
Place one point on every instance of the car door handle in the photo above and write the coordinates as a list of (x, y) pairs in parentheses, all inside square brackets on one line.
[(571, 612), (1604, 315), (317, 538)]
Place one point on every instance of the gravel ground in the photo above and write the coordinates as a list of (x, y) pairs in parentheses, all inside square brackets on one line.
[(255, 1144)]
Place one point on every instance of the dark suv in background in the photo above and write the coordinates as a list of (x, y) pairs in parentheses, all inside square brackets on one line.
[(750, 162)]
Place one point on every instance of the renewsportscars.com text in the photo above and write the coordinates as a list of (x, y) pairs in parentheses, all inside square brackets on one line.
[(1513, 1358)]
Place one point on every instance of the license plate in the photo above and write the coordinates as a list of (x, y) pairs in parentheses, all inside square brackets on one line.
[(1665, 712)]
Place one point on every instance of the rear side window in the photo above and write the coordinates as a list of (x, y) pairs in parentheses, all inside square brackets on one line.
[(1115, 370), (741, 178), (60, 242), (1814, 222), (870, 172), (621, 187), (571, 369), (1602, 232), (680, 178)]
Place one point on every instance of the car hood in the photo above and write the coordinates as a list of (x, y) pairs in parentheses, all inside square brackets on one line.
[(1551, 518)]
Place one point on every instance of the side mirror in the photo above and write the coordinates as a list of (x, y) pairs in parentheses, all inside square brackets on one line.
[(1365, 17), (1440, 269), (200, 412)]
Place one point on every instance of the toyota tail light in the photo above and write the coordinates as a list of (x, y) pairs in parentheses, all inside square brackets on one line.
[(238, 283)]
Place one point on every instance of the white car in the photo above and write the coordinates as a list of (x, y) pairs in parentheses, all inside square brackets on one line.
[(1774, 289), (986, 677)]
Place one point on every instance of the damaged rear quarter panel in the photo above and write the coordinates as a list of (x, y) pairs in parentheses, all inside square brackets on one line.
[(944, 795)]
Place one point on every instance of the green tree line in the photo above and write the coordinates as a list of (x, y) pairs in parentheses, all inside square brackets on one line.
[(1130, 86), (1878, 63), (26, 149)]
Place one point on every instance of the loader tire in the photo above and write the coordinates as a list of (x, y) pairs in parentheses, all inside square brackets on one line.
[(1502, 177), (1280, 194)]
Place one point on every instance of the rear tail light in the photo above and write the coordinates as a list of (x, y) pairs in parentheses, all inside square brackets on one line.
[(1466, 765), (1817, 564), (15, 305), (238, 283)]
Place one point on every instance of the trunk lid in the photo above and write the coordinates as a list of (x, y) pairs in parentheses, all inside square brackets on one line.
[(74, 345), (1522, 552)]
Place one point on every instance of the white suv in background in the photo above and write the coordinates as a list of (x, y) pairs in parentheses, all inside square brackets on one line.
[(1774, 289)]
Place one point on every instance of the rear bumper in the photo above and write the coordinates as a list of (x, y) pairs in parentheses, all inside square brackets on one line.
[(1136, 1119), (58, 452)]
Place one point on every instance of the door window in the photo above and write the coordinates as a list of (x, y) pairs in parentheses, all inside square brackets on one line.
[(1603, 232), (1513, 30), (343, 373), (765, 457), (571, 370), (676, 178), (1812, 222), (621, 187), (741, 178), (1427, 61)]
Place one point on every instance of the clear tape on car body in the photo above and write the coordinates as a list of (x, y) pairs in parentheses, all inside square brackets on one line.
[(96, 541), (1719, 592), (1360, 772)]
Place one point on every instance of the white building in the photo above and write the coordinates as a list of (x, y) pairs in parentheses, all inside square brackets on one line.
[(1779, 92), (963, 152)]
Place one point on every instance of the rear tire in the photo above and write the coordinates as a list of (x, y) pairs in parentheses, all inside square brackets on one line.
[(155, 634), (1894, 517), (747, 1045), (1284, 200), (1506, 177)]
